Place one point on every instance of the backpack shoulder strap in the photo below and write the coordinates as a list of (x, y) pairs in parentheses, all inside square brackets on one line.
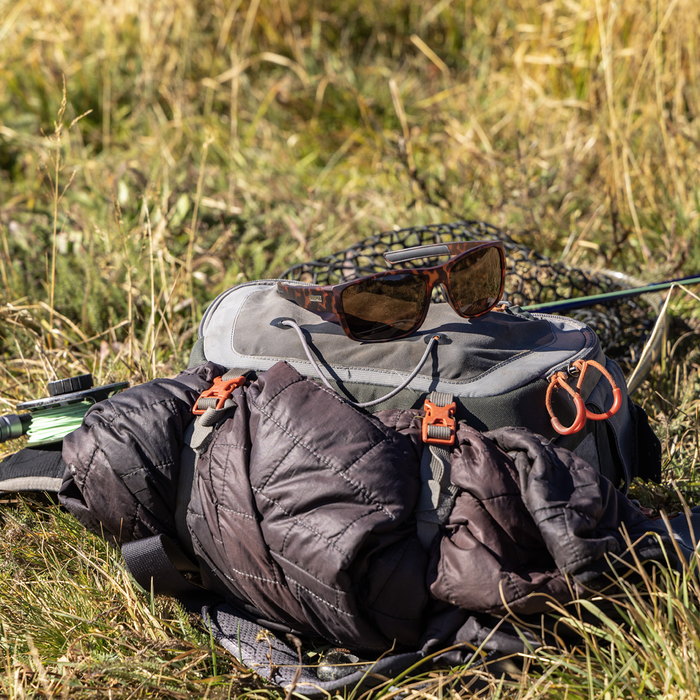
[(438, 493)]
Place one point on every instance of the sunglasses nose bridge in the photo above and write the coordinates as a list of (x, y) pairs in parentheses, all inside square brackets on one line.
[(433, 277)]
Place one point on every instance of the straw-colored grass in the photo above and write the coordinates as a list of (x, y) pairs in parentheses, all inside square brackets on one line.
[(196, 145)]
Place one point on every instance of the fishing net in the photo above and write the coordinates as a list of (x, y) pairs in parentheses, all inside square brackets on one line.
[(622, 325)]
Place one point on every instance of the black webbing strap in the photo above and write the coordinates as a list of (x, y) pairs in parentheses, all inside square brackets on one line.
[(159, 565)]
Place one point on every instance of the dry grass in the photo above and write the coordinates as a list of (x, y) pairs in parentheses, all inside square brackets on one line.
[(197, 145)]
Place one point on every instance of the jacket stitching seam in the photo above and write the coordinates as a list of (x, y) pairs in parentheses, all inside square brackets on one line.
[(290, 529), (316, 382), (291, 382), (446, 579), (214, 537), (279, 463), (122, 411), (321, 600), (237, 512), (514, 584), (385, 441), (308, 573), (568, 565), (205, 474), (81, 477), (241, 573), (246, 575), (380, 426), (348, 525), (342, 474), (300, 522), (231, 445), (148, 468)]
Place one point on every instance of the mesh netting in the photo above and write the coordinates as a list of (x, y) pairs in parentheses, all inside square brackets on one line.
[(531, 278)]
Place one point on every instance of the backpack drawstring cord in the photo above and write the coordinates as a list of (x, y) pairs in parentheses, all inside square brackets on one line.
[(433, 340)]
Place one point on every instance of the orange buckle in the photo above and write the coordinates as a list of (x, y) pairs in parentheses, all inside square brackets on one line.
[(582, 413), (220, 390), (441, 416)]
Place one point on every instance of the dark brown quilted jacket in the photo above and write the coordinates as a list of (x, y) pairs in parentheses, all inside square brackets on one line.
[(302, 507)]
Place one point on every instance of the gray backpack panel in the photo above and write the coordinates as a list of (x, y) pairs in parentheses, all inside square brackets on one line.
[(497, 366)]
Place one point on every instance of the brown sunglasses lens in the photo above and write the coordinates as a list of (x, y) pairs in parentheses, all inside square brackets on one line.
[(386, 307), (475, 281)]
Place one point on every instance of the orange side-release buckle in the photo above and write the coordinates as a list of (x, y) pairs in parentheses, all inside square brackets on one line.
[(582, 413), (219, 390), (441, 416)]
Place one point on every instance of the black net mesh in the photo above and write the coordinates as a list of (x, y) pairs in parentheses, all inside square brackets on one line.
[(532, 278)]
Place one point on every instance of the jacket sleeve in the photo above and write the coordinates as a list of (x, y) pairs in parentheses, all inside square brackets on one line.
[(123, 463), (587, 525)]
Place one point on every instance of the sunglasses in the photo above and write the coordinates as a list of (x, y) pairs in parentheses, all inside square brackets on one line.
[(393, 304)]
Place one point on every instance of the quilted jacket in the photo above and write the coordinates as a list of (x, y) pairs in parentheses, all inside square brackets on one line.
[(302, 508)]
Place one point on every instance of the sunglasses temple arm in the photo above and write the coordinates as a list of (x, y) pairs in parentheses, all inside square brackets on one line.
[(428, 251), (398, 256), (314, 299)]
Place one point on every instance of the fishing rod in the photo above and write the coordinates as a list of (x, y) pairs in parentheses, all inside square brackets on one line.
[(581, 302)]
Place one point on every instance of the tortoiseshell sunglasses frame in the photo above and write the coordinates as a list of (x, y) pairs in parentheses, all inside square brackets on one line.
[(326, 300)]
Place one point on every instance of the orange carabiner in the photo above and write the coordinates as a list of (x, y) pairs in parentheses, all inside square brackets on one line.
[(582, 413), (617, 394), (559, 379)]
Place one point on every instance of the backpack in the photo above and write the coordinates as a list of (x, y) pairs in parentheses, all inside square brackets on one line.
[(504, 368)]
